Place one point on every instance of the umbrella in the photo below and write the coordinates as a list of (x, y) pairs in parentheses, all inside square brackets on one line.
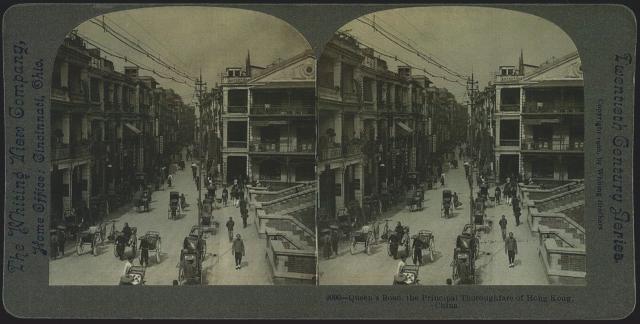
[(335, 227)]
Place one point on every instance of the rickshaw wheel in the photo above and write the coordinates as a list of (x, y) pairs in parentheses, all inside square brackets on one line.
[(180, 275), (454, 274), (115, 249), (388, 249), (94, 248)]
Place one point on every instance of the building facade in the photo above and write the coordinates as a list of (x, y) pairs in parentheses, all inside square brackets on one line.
[(539, 120), (268, 122), (375, 128), (106, 131)]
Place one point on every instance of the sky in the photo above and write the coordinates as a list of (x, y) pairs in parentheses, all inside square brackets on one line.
[(196, 39), (465, 39)]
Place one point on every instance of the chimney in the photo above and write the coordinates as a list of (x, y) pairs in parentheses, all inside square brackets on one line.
[(131, 71), (404, 71)]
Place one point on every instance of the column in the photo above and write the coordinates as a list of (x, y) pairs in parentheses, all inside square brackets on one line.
[(86, 175), (64, 75), (66, 128)]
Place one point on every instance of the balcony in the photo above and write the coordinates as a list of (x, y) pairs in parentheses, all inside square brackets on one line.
[(282, 110), (350, 96), (262, 147), (329, 153), (352, 148), (553, 108), (60, 152), (368, 106), (237, 144), (555, 145), (509, 142), (509, 107), (61, 94), (235, 79), (237, 109)]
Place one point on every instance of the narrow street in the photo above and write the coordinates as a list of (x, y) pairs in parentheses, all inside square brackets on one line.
[(379, 268), (218, 265)]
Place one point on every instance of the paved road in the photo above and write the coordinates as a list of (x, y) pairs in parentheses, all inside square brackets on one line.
[(219, 264), (378, 268)]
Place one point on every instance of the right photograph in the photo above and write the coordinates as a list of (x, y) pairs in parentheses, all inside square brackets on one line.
[(450, 150)]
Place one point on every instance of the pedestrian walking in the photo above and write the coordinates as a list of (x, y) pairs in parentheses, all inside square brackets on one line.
[(506, 194), (326, 245), (169, 180), (237, 248), (498, 193), (442, 179), (503, 227), (417, 251), (194, 170), (62, 239), (144, 252), (244, 212), (225, 196), (516, 214), (230, 224), (334, 241), (197, 183), (511, 249)]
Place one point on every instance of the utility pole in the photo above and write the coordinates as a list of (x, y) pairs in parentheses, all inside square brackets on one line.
[(201, 88), (472, 87)]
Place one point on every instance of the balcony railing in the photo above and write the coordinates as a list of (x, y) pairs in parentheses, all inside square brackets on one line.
[(271, 109), (237, 144), (553, 145), (237, 109), (348, 96), (510, 107), (553, 107), (368, 106), (60, 94), (60, 152), (509, 142), (329, 153), (353, 148), (262, 147)]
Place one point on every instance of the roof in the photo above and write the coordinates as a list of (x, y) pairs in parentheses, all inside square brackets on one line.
[(283, 64)]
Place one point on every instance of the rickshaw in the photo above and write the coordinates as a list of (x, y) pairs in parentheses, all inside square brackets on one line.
[(174, 209), (464, 256), (134, 277), (142, 200), (481, 221), (121, 243), (364, 236), (446, 203), (206, 222), (427, 241), (153, 243), (484, 191), (196, 240), (90, 237), (190, 268), (345, 222), (408, 275), (414, 199), (396, 241)]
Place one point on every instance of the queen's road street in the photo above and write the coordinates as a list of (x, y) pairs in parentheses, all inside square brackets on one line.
[(379, 268), (218, 265)]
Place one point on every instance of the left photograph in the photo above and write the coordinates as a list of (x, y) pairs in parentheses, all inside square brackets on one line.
[(183, 144)]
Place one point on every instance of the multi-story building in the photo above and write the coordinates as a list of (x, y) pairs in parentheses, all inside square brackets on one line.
[(103, 123), (539, 120), (268, 121), (370, 123)]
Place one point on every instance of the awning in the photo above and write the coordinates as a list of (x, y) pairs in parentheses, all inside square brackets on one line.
[(134, 129), (539, 121), (260, 123), (556, 83), (405, 127)]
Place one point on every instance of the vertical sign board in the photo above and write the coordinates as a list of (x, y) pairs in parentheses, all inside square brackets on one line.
[(161, 144)]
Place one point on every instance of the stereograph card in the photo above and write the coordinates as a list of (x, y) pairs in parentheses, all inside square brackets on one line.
[(308, 161)]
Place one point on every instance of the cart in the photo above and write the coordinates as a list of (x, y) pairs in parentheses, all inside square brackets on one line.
[(464, 256), (414, 199), (196, 240), (90, 237), (206, 221), (142, 200), (427, 241), (134, 277), (445, 210), (154, 242), (397, 245), (362, 237), (121, 243), (408, 275), (174, 209), (190, 268)]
